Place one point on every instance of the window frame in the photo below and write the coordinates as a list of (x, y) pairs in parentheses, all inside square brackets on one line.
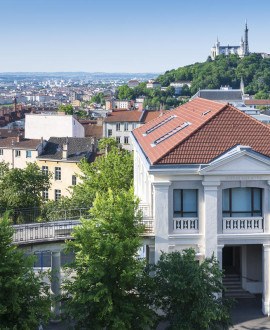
[(74, 180), (45, 194), (126, 139), (118, 139), (126, 127), (27, 154), (17, 153), (57, 170), (109, 132), (57, 194), (1, 151), (118, 127), (45, 169), (181, 212), (253, 212)]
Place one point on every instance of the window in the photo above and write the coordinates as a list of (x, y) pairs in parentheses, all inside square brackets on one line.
[(118, 139), (126, 140), (1, 152), (45, 170), (109, 132), (185, 203), (133, 126), (57, 173), (125, 126), (242, 202), (17, 153), (28, 154), (118, 126), (45, 194), (57, 194), (74, 180)]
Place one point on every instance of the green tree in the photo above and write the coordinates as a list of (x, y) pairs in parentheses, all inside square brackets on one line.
[(22, 188), (97, 98), (187, 292), (24, 297), (68, 109), (262, 95), (112, 171), (124, 93), (103, 292), (110, 142)]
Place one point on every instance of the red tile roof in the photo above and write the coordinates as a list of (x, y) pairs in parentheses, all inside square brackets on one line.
[(257, 102), (11, 142), (206, 137), (131, 116)]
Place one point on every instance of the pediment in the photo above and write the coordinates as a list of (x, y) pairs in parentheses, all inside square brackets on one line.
[(244, 162)]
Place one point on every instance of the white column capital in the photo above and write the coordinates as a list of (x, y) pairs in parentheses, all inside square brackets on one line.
[(210, 185), (266, 247), (220, 247), (162, 185), (268, 182)]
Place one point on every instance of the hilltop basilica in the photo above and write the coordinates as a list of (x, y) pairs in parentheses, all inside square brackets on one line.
[(242, 50)]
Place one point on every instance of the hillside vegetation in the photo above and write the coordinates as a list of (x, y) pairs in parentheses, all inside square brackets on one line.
[(224, 71)]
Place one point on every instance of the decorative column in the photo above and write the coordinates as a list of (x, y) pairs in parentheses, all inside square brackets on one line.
[(219, 255), (56, 281), (210, 217), (266, 279), (161, 216), (244, 266)]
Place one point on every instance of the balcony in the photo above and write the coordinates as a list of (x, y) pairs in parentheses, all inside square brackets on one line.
[(147, 218), (243, 225), (185, 225)]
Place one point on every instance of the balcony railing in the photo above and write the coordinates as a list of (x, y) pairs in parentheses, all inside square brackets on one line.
[(243, 225), (186, 225)]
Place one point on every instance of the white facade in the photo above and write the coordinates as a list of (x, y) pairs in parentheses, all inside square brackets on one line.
[(19, 157), (46, 126), (121, 132), (212, 228)]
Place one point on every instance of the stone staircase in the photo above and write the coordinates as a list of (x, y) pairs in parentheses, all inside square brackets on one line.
[(232, 283)]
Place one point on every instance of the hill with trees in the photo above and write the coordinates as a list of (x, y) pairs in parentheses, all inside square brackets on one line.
[(224, 70), (211, 74)]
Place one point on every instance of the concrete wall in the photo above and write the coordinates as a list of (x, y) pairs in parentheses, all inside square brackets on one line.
[(46, 126), (18, 162)]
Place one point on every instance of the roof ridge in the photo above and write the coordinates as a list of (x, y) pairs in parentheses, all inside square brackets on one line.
[(190, 135)]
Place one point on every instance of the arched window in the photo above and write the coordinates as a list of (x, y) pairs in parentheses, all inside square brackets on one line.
[(242, 202)]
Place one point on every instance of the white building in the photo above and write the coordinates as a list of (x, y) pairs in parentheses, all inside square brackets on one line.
[(241, 50), (202, 173), (18, 151), (48, 125), (153, 84), (178, 85), (119, 124)]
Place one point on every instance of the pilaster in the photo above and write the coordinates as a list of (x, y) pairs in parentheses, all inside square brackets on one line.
[(210, 217), (266, 279), (161, 214)]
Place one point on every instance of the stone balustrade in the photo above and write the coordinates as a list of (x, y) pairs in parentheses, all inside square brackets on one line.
[(243, 225), (186, 225)]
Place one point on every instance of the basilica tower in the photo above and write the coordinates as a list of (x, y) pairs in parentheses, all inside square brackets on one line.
[(246, 48)]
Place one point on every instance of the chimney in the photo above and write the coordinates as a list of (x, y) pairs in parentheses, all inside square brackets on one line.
[(99, 121), (65, 149), (18, 138)]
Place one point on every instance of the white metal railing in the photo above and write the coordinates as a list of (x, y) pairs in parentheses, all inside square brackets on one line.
[(146, 210), (186, 225), (243, 225)]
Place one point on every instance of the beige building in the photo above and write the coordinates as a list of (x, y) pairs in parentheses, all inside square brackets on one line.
[(61, 157), (18, 151)]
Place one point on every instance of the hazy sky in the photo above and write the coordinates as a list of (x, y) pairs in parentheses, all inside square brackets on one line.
[(123, 36)]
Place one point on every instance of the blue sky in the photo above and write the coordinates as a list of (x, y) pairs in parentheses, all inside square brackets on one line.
[(123, 36)]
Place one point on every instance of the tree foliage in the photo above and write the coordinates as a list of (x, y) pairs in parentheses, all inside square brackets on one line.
[(97, 98), (224, 70), (187, 292), (103, 293), (112, 171), (22, 188), (155, 97), (110, 142), (68, 109), (24, 297)]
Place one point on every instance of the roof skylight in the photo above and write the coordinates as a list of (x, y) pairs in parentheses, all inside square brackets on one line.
[(170, 133), (163, 122), (205, 113)]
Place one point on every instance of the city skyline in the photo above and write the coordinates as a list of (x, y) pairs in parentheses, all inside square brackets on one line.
[(63, 36)]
